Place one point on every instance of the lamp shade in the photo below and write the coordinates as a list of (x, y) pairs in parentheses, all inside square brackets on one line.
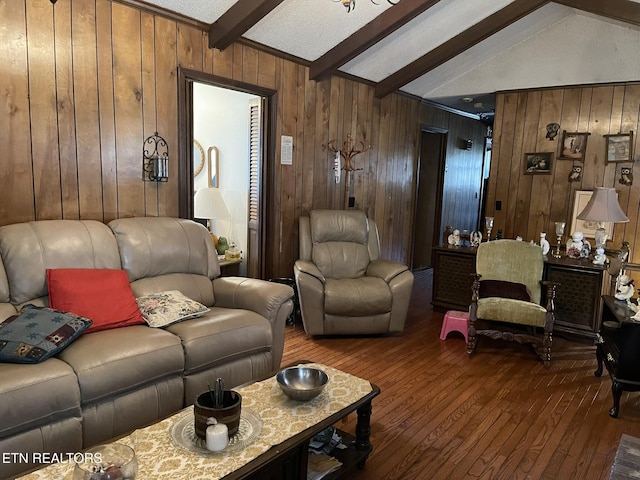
[(603, 207), (209, 204)]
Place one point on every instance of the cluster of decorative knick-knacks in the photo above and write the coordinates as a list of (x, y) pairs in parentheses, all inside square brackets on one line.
[(455, 238)]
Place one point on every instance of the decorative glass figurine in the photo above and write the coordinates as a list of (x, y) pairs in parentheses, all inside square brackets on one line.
[(544, 243)]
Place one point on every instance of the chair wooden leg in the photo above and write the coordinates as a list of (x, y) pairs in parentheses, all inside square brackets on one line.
[(546, 344)]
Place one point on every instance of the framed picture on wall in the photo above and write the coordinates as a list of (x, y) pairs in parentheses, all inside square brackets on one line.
[(574, 145), (588, 227), (619, 147), (538, 163)]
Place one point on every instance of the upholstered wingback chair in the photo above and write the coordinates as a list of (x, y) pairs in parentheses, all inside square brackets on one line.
[(506, 297), (343, 285)]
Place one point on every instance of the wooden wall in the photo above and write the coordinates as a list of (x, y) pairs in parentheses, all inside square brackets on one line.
[(84, 82), (532, 203)]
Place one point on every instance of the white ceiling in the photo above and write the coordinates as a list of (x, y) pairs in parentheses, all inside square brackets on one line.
[(555, 45)]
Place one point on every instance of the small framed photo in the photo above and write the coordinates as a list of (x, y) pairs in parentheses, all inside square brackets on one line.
[(619, 147), (574, 145), (537, 163)]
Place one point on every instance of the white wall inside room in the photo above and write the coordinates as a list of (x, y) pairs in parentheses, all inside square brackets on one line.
[(221, 119)]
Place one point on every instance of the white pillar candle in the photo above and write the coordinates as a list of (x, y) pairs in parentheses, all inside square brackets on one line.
[(217, 437)]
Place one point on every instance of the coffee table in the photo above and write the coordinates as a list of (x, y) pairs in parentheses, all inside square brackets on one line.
[(280, 451)]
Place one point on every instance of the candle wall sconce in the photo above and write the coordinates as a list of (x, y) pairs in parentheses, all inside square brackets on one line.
[(155, 159)]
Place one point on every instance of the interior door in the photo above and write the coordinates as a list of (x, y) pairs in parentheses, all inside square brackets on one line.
[(255, 259), (426, 225)]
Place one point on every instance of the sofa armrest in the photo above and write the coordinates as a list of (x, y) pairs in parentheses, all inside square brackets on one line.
[(260, 296), (274, 301), (305, 266), (385, 269)]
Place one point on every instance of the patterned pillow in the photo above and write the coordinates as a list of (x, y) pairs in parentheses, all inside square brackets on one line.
[(164, 308), (38, 333)]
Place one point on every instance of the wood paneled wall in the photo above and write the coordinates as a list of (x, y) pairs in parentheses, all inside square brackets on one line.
[(84, 82), (532, 203)]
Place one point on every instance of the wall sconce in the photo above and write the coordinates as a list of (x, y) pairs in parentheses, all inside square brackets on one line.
[(155, 159)]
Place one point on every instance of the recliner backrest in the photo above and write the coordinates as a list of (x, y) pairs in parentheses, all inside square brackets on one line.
[(163, 253), (29, 249), (339, 240)]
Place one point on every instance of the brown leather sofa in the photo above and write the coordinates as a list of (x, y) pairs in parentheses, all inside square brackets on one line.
[(110, 382), (344, 287)]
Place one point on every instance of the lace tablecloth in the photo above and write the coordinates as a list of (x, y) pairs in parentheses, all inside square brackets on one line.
[(282, 418)]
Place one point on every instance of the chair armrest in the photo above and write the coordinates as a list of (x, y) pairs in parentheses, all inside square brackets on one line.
[(475, 287), (305, 266), (550, 294), (385, 269)]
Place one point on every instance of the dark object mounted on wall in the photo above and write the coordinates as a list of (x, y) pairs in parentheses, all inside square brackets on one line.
[(552, 130), (576, 174), (155, 159), (626, 176), (466, 144)]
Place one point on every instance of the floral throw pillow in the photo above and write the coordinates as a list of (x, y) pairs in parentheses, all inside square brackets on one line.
[(38, 333), (164, 308)]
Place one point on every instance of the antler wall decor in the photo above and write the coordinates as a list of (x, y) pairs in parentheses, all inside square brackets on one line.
[(347, 152)]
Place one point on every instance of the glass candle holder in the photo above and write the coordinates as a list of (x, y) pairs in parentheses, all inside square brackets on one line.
[(488, 222), (559, 232)]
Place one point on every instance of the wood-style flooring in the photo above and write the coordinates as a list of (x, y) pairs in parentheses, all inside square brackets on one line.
[(497, 415)]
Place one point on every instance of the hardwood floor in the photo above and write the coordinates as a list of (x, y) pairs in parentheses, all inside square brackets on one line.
[(497, 415)]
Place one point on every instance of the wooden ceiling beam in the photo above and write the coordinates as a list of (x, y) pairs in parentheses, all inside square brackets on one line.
[(374, 31), (458, 44), (240, 17), (623, 10)]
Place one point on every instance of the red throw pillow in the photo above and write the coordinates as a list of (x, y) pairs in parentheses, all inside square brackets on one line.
[(104, 296)]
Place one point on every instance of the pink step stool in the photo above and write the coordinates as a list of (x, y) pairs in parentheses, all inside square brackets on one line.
[(455, 322)]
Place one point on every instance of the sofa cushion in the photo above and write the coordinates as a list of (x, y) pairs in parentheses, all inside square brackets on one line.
[(38, 333), (221, 335), (34, 395), (111, 362), (164, 308), (103, 295)]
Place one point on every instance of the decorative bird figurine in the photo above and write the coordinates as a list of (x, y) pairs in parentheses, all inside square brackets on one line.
[(575, 175), (626, 176)]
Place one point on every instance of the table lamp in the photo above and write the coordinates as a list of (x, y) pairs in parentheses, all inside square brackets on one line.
[(603, 207), (209, 204)]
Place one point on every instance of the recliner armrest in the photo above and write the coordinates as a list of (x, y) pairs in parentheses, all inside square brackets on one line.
[(305, 266), (385, 269)]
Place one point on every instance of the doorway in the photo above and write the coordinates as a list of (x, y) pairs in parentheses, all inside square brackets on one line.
[(223, 147), (428, 206)]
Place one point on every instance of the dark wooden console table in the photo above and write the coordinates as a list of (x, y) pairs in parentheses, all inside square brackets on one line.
[(618, 348), (578, 297)]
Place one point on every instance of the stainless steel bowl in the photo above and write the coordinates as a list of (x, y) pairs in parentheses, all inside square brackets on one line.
[(302, 383)]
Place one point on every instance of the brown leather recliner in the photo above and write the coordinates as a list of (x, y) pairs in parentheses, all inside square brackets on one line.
[(343, 286)]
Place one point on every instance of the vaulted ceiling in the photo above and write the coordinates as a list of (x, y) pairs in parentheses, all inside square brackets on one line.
[(454, 52)]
